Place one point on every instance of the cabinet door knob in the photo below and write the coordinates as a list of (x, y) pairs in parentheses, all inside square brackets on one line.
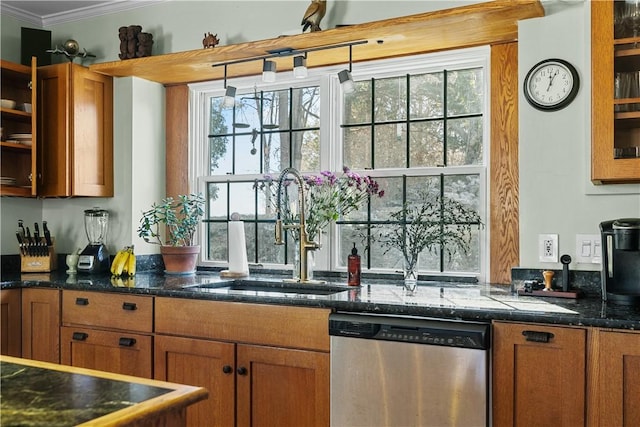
[(82, 301), (538, 336), (129, 306), (80, 336), (242, 370), (127, 342), (227, 369)]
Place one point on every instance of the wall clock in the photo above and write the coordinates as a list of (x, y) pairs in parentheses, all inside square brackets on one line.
[(551, 84)]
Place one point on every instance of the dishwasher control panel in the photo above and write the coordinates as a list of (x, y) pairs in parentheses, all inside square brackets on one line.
[(410, 330)]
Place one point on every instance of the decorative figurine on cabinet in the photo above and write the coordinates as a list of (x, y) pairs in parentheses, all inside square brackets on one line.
[(145, 43), (210, 40), (71, 49), (313, 15), (134, 43)]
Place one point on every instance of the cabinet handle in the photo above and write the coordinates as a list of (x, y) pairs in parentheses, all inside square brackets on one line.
[(82, 301), (537, 336), (80, 336), (129, 306), (127, 342), (227, 369), (242, 370)]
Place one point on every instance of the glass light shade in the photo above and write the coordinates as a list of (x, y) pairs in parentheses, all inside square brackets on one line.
[(229, 99), (300, 67), (269, 72), (346, 81)]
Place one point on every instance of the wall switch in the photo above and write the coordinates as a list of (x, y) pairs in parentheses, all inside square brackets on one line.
[(548, 247), (588, 249)]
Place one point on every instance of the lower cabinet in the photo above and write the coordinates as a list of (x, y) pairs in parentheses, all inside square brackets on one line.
[(107, 331), (41, 324), (112, 351), (615, 379), (11, 322), (565, 376), (263, 365), (539, 375)]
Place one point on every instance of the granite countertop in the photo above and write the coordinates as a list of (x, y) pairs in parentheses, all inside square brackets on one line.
[(40, 393), (439, 299)]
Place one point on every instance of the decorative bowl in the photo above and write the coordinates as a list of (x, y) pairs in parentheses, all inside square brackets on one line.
[(7, 103)]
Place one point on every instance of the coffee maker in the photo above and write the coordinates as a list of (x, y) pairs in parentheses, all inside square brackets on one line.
[(621, 261)]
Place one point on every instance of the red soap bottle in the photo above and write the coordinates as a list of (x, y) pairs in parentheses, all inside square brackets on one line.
[(353, 267)]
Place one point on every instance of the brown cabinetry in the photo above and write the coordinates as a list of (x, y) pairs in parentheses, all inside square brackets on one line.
[(539, 375), (41, 324), (18, 155), (615, 118), (266, 365), (615, 379), (108, 332), (10, 322), (75, 126)]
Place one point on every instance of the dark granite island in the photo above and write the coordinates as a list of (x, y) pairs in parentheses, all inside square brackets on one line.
[(34, 393)]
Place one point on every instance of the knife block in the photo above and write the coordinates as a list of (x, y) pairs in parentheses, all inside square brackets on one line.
[(39, 263)]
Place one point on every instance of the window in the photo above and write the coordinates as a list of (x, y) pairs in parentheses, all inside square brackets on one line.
[(417, 125)]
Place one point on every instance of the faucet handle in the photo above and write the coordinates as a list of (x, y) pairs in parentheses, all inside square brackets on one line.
[(278, 232)]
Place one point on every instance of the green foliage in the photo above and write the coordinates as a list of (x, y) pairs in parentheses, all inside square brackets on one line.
[(181, 217), (434, 223)]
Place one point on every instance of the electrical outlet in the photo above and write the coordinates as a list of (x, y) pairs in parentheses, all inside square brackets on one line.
[(548, 247)]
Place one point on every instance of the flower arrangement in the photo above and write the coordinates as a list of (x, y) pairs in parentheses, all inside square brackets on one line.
[(429, 225), (328, 197)]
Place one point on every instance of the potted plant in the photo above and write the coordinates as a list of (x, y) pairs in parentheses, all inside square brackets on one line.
[(180, 217), (433, 223)]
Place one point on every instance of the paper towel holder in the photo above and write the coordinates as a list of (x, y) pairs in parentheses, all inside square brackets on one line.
[(236, 249)]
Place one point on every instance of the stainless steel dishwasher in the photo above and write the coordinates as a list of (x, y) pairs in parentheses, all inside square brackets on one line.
[(407, 371)]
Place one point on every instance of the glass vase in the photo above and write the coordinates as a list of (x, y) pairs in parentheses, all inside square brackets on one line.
[(410, 276), (311, 263)]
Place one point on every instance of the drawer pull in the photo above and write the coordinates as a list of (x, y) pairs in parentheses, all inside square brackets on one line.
[(129, 306), (82, 301), (537, 336), (227, 369), (80, 336), (242, 370), (127, 342)]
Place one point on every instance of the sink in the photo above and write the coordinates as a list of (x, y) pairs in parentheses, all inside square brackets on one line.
[(263, 287)]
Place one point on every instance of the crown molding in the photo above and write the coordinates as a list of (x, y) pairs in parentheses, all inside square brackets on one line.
[(77, 14)]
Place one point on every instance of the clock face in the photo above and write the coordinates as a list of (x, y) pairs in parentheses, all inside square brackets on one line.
[(551, 84)]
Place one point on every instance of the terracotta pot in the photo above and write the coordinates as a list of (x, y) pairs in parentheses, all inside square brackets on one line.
[(180, 259)]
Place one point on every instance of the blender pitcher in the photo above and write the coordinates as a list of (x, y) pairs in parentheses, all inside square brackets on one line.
[(95, 257)]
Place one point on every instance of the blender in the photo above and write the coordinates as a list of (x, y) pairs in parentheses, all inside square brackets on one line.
[(95, 258)]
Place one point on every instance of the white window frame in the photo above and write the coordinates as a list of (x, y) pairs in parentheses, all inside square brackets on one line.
[(331, 154)]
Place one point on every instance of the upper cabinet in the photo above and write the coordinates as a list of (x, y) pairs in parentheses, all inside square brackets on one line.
[(18, 145), (75, 128), (615, 97)]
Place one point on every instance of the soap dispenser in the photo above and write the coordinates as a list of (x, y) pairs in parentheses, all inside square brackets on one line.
[(353, 267)]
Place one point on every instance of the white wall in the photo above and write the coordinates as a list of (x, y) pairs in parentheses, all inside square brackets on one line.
[(556, 195)]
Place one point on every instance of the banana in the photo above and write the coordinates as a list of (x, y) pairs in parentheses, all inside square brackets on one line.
[(131, 263), (118, 262)]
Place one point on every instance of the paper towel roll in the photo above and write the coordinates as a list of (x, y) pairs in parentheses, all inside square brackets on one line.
[(237, 249)]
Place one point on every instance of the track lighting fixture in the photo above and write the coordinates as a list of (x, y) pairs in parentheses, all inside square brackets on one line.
[(346, 81), (229, 97), (268, 71), (345, 76), (300, 66)]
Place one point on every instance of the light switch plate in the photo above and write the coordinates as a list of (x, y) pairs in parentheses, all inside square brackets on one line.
[(588, 250)]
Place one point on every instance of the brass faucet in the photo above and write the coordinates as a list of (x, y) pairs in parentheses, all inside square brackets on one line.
[(304, 243)]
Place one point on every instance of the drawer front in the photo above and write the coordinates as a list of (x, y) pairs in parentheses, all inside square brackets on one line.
[(277, 325), (108, 310), (118, 352)]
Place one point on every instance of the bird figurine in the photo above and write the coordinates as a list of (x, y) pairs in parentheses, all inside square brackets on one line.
[(313, 15)]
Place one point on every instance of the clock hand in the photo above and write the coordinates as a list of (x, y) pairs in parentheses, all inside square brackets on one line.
[(551, 80)]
